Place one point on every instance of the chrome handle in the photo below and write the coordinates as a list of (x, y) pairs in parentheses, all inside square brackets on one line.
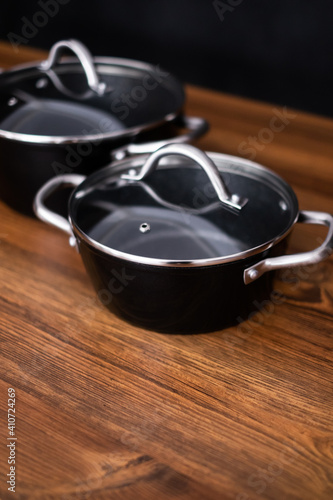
[(305, 258), (231, 200), (177, 208), (83, 55), (196, 126), (44, 213)]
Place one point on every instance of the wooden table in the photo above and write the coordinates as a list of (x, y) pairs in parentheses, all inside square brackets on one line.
[(105, 410)]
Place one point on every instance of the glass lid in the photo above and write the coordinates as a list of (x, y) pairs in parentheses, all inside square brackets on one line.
[(85, 97), (180, 205)]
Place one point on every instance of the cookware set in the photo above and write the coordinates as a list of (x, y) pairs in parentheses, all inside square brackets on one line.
[(174, 239)]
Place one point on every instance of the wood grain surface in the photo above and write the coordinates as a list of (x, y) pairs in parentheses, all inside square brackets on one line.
[(105, 410)]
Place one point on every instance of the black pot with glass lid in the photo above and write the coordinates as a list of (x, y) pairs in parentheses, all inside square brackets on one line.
[(181, 241), (68, 115)]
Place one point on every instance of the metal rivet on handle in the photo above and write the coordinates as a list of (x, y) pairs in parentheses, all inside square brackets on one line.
[(41, 83), (253, 274), (12, 101)]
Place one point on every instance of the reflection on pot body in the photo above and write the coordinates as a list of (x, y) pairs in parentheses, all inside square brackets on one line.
[(115, 285)]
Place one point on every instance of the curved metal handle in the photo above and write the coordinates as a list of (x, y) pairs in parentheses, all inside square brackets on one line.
[(233, 201), (196, 128), (83, 55), (44, 213), (177, 208), (298, 259)]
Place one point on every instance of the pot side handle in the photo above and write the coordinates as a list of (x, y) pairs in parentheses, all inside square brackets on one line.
[(196, 128), (300, 259), (44, 213)]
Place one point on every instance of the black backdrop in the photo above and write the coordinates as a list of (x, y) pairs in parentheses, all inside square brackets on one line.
[(273, 50)]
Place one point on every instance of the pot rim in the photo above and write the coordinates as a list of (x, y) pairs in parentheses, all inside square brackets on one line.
[(199, 263), (259, 170), (103, 136)]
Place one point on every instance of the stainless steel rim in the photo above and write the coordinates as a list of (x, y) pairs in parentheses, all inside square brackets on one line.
[(182, 263), (46, 139)]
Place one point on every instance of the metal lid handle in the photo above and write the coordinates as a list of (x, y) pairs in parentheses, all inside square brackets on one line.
[(83, 55), (232, 200)]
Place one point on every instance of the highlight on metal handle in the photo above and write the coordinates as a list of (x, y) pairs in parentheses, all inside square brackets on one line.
[(196, 128), (231, 200), (305, 258), (83, 55), (44, 213)]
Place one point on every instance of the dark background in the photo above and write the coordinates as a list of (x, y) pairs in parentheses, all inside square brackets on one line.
[(278, 51)]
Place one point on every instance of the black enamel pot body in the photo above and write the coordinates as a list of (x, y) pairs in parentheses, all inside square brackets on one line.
[(181, 241), (73, 115)]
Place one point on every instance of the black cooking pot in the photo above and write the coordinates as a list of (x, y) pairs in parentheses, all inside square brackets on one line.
[(66, 116), (172, 249)]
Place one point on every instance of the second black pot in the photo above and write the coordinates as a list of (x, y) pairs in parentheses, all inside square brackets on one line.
[(75, 115)]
